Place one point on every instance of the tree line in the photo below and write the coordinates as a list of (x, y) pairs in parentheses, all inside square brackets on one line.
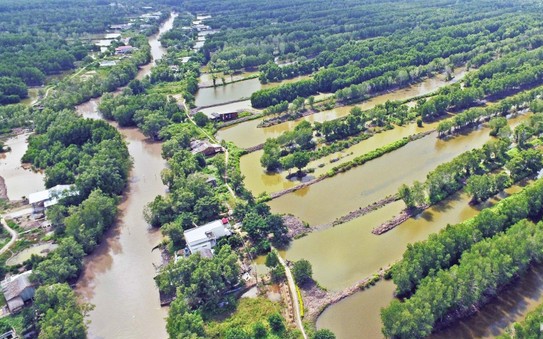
[(388, 70), (444, 249), (481, 271)]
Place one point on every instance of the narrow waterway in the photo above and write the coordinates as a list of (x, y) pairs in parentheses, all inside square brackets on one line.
[(19, 182), (118, 277), (257, 180), (511, 305), (365, 322), (247, 134), (361, 186)]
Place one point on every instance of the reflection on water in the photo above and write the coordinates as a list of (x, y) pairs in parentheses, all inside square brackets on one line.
[(247, 134), (512, 304), (372, 252), (258, 181), (220, 94), (361, 322)]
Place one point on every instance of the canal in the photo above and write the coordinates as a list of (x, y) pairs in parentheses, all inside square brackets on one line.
[(248, 134), (331, 198)]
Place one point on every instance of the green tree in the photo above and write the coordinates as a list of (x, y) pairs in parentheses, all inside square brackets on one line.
[(183, 323), (324, 334), (200, 119), (302, 271), (271, 259), (276, 323), (259, 330), (60, 315), (300, 159), (153, 124)]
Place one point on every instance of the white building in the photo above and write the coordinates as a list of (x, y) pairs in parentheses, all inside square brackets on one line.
[(50, 197), (206, 236)]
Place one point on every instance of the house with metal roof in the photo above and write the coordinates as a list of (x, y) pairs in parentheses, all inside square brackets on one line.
[(43, 199), (17, 290)]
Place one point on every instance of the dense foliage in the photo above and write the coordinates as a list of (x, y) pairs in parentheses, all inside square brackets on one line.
[(530, 327), (449, 177), (88, 153), (338, 60), (59, 314), (151, 113), (201, 281), (481, 271), (444, 249)]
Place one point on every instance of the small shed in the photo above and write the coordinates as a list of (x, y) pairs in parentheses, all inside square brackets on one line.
[(211, 181), (224, 116), (124, 49), (17, 290), (108, 63), (205, 147)]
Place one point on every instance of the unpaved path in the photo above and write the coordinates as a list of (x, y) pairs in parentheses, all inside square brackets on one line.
[(14, 236), (295, 301)]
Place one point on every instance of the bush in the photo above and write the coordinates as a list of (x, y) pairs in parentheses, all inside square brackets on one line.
[(302, 271)]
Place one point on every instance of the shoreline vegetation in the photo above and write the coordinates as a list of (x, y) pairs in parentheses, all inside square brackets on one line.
[(358, 161), (94, 209)]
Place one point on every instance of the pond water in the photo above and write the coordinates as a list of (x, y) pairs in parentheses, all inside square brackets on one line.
[(19, 182), (357, 258), (40, 250), (247, 134), (331, 198), (257, 180)]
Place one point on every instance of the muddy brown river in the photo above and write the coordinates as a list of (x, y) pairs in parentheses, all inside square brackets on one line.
[(118, 277)]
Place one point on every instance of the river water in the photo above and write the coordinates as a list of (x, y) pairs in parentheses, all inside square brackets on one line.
[(19, 181), (118, 276)]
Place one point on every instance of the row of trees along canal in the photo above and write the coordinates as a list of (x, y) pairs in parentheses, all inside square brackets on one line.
[(92, 156), (425, 259), (249, 222), (351, 62), (494, 79), (366, 89), (507, 46)]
